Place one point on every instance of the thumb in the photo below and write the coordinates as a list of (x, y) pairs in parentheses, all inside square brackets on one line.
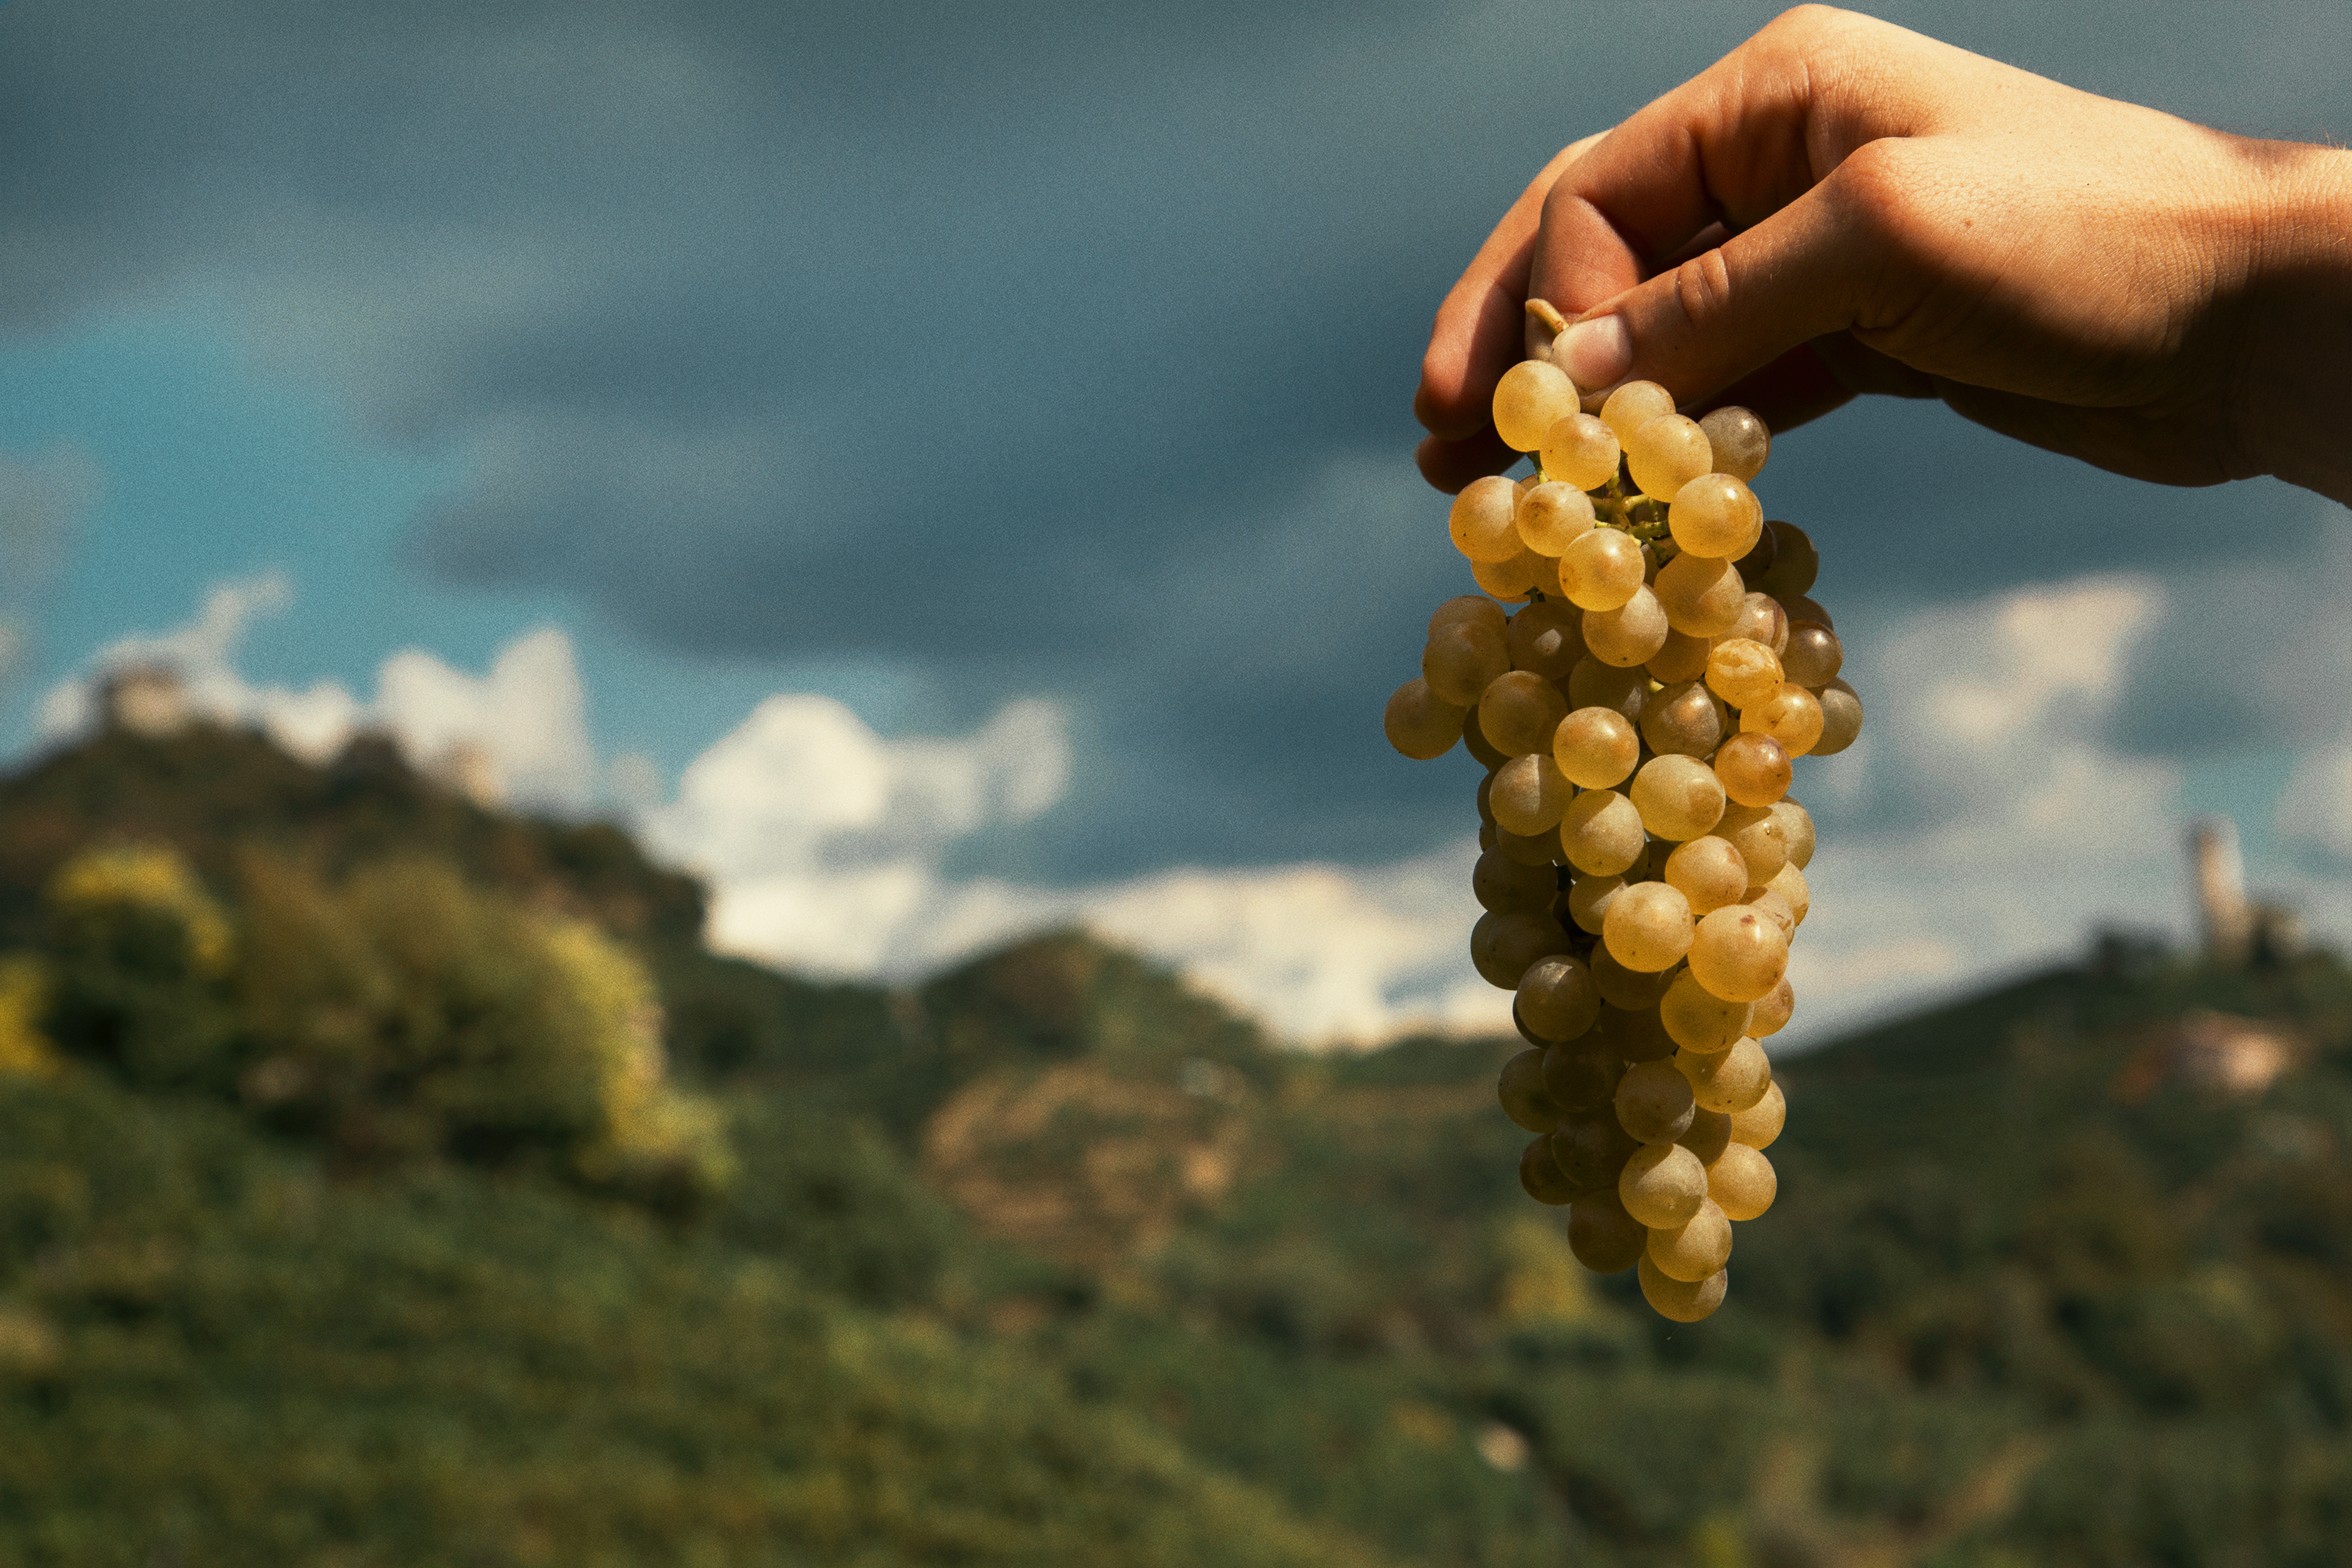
[(1825, 263)]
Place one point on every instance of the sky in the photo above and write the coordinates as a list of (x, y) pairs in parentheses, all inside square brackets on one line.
[(942, 471)]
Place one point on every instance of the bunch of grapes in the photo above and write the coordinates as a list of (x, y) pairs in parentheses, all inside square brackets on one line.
[(1643, 864)]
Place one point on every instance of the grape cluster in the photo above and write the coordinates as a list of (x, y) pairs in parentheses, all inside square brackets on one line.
[(1643, 866)]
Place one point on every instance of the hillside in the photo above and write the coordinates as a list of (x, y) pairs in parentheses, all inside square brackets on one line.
[(322, 1242)]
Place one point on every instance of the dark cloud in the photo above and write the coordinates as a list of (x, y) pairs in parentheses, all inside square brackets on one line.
[(1043, 347)]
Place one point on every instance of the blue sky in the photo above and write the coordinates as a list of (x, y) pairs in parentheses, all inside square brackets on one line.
[(1054, 365)]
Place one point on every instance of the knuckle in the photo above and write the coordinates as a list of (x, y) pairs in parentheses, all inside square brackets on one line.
[(1810, 23), (1703, 287), (1876, 191)]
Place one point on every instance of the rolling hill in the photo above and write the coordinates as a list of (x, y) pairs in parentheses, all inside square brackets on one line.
[(329, 1236)]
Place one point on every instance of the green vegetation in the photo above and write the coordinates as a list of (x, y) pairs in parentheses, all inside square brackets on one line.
[(387, 1182)]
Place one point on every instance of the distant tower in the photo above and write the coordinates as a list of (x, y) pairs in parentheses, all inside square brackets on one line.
[(2222, 912), (145, 699)]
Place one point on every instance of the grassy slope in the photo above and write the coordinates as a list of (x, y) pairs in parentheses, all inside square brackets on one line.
[(1053, 1262)]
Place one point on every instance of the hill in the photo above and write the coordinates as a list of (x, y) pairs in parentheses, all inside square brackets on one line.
[(340, 1245)]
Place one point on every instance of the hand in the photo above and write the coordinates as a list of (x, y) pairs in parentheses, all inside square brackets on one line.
[(1841, 206)]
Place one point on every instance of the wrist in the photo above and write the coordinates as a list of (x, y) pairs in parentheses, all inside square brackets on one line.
[(2292, 401)]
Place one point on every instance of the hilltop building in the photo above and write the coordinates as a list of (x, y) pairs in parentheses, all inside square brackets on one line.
[(145, 699)]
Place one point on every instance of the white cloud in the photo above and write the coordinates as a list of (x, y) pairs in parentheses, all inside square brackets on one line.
[(823, 841), (518, 731), (824, 845), (528, 715), (1988, 716), (1321, 953)]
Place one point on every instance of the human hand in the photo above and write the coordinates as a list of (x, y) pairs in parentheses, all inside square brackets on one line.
[(1841, 206)]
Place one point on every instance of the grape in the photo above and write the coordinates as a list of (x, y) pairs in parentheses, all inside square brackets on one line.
[(1541, 1177), (1754, 768), (1737, 954), (1532, 396), (1512, 580), (1679, 797), (1622, 986), (1814, 656), (1702, 596), (1662, 1185), (1503, 946), (1840, 718), (1557, 1000), (1520, 711), (1696, 1249), (1633, 405), (1683, 1303), (1633, 1034), (1595, 684), (1665, 454), (1743, 672), (1795, 563), (1682, 720), (1588, 898), (1708, 872), (1792, 716), (1637, 719), (1536, 849), (1654, 1103), (1648, 928), (1601, 570), (1738, 440), (1790, 884), (1475, 738), (1553, 516), (1797, 827), (1529, 794), (1604, 1238), (1580, 1080), (1798, 608), (1525, 1099), (1581, 450), (1761, 1124), (1507, 887), (1592, 1149), (1742, 1181), (1462, 658), (1466, 607), (1757, 834), (1601, 832), (1715, 515), (1629, 635), (1545, 638), (1709, 1135), (1695, 1018), (1726, 1080), (1481, 520), (1680, 658), (1765, 901), (1762, 619), (1421, 724), (1595, 748)]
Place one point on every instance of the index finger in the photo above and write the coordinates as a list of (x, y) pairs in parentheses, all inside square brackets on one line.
[(1742, 140), (1480, 331)]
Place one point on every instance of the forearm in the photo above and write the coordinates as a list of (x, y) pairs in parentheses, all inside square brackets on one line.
[(2294, 399)]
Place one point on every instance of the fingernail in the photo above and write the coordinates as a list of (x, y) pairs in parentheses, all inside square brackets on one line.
[(1595, 353)]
